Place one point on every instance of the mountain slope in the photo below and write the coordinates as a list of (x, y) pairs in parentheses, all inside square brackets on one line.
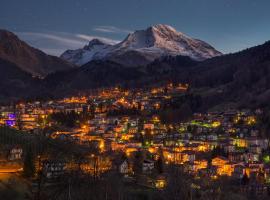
[(165, 40), (93, 75), (101, 73), (15, 83), (144, 46), (92, 51), (243, 77), (27, 58)]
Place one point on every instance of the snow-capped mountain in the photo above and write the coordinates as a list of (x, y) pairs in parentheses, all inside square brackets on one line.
[(144, 46), (93, 51)]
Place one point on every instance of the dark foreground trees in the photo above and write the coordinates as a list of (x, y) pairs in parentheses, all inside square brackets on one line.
[(29, 164)]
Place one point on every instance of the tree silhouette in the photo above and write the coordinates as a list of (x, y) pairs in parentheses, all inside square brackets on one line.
[(29, 164)]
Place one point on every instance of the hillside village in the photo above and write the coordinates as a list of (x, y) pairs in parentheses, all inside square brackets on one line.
[(125, 132)]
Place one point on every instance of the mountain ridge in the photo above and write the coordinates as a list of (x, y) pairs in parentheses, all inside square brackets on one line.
[(27, 58), (144, 46), (242, 77)]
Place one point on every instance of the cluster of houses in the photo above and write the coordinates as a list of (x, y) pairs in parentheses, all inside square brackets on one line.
[(212, 144), (11, 158), (30, 116)]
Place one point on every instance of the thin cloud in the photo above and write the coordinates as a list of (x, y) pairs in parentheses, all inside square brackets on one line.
[(111, 29), (57, 37), (55, 43), (88, 38), (52, 51)]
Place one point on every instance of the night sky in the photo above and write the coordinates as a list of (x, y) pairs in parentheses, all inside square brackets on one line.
[(57, 25)]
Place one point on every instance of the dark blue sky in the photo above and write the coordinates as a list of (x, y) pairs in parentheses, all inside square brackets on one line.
[(55, 25)]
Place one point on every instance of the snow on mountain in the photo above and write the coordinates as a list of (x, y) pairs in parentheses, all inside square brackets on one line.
[(144, 46), (94, 50)]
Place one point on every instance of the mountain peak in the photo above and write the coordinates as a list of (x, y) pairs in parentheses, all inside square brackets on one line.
[(166, 40), (163, 27), (91, 51), (9, 40), (27, 58), (6, 34), (95, 42), (144, 46)]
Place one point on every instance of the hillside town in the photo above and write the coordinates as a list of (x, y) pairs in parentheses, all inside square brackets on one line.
[(125, 132)]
